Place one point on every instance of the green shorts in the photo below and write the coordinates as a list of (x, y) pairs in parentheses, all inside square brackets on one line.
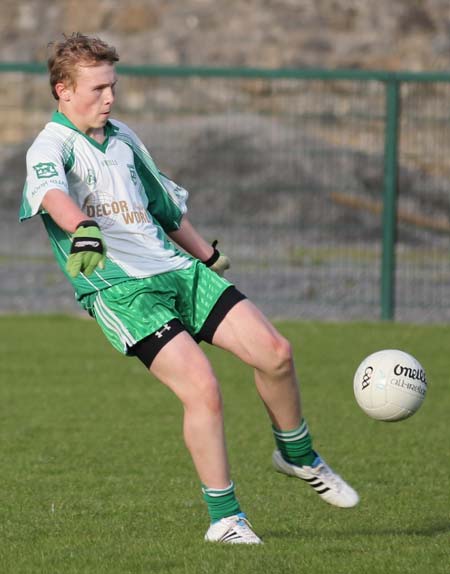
[(132, 310)]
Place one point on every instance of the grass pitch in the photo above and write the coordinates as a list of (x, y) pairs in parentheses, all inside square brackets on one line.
[(95, 477)]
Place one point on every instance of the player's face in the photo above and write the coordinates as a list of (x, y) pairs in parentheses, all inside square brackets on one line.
[(88, 105)]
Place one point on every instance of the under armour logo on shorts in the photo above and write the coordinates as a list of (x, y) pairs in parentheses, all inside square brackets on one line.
[(160, 333)]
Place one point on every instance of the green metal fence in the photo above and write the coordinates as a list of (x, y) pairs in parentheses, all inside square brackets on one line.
[(329, 189)]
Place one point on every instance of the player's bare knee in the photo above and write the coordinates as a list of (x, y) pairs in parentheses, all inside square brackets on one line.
[(281, 356), (213, 403), (205, 396)]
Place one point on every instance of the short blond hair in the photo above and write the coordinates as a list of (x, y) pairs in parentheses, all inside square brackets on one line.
[(74, 50)]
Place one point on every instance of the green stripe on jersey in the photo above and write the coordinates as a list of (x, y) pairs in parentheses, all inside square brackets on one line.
[(160, 204), (25, 207)]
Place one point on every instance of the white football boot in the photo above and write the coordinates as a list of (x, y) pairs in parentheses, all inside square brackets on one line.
[(328, 485), (232, 530)]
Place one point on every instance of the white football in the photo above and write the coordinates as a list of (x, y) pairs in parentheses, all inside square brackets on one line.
[(390, 385)]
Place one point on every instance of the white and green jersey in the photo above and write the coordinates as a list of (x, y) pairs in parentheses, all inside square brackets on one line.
[(119, 186)]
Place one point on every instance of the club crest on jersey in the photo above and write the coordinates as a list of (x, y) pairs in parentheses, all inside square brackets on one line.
[(91, 178), (45, 169), (133, 173)]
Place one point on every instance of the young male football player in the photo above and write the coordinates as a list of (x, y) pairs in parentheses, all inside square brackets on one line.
[(115, 225)]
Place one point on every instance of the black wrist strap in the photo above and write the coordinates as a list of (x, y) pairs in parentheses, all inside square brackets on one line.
[(214, 257), (87, 223)]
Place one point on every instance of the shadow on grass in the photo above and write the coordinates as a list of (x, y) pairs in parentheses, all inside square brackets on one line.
[(441, 526)]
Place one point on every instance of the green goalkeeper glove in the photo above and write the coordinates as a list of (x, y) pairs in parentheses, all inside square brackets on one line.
[(88, 249), (217, 262)]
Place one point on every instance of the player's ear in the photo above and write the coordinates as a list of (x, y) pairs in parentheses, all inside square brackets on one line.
[(63, 92)]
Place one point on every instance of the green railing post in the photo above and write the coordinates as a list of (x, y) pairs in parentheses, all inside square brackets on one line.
[(390, 199)]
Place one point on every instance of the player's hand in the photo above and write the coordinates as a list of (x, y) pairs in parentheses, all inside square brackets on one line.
[(221, 265), (88, 249), (217, 262)]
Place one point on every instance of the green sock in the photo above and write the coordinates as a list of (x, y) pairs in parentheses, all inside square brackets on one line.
[(295, 446), (221, 502)]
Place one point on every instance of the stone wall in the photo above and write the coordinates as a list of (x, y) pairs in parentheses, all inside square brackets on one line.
[(386, 34)]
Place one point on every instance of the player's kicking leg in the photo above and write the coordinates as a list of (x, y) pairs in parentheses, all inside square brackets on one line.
[(183, 367), (248, 334)]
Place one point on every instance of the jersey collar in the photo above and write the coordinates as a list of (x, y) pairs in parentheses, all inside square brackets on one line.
[(109, 129)]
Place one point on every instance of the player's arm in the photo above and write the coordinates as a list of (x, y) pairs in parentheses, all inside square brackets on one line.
[(63, 210), (191, 241), (88, 249)]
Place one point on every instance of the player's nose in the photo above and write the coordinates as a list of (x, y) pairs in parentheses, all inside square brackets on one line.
[(109, 96)]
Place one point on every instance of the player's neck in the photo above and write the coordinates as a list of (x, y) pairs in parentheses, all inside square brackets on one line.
[(96, 133)]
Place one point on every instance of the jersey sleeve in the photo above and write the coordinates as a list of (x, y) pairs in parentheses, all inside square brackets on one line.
[(166, 201), (45, 171), (178, 194)]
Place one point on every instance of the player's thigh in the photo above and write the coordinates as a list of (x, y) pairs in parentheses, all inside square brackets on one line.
[(184, 368), (246, 332)]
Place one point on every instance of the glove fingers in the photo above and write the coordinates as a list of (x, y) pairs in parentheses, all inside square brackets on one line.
[(73, 264), (90, 262), (84, 263), (225, 263), (221, 265)]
